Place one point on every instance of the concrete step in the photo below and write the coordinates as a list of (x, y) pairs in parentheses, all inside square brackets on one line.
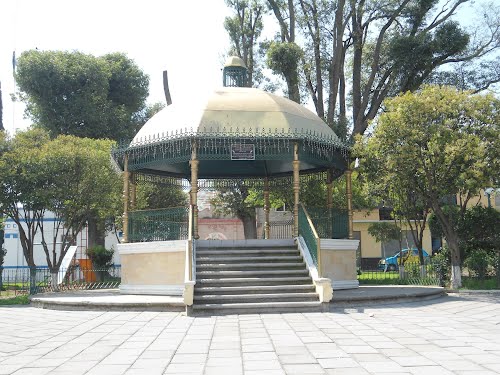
[(252, 298), (258, 307), (248, 266), (246, 274), (260, 289), (253, 281), (248, 259), (246, 252)]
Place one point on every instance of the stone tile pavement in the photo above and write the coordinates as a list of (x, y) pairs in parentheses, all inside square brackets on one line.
[(449, 335)]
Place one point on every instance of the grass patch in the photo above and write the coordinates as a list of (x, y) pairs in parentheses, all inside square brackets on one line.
[(478, 284), (18, 300)]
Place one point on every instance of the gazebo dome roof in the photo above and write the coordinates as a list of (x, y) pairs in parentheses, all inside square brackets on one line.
[(234, 110)]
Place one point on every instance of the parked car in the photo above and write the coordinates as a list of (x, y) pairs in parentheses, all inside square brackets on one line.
[(409, 256)]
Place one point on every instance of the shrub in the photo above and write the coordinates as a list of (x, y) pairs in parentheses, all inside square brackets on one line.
[(101, 257), (442, 265), (478, 263)]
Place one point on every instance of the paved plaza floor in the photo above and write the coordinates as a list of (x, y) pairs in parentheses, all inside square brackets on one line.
[(457, 334)]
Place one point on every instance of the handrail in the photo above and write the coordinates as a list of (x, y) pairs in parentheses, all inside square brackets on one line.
[(315, 235), (190, 264)]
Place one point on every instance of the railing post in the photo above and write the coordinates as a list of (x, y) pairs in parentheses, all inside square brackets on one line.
[(348, 174), (267, 224), (296, 188), (126, 178), (194, 188)]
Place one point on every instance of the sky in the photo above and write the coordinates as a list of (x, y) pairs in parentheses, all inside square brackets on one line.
[(184, 37)]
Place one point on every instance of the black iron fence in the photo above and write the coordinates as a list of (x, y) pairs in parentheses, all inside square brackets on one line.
[(436, 272), (23, 280), (409, 274)]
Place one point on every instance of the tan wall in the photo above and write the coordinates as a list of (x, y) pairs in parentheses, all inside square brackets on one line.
[(339, 264), (153, 268), (153, 263)]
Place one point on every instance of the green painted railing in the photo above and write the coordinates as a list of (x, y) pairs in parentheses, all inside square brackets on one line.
[(158, 225), (310, 236), (330, 223)]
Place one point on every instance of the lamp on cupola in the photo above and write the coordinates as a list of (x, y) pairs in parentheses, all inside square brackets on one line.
[(235, 72)]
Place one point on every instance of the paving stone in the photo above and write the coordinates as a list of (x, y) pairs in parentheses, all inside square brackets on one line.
[(303, 369)]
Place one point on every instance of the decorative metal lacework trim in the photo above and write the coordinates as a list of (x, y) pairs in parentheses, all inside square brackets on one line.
[(176, 147), (284, 182)]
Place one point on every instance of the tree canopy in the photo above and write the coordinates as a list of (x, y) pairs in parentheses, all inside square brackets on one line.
[(78, 94), (69, 176)]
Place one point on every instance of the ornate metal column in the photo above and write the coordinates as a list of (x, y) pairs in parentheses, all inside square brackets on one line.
[(296, 188), (348, 174), (194, 188), (329, 189), (329, 201), (267, 207), (126, 179)]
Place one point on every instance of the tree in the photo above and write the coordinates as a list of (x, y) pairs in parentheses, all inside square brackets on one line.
[(284, 55), (445, 143), (234, 200), (80, 184), (77, 94), (244, 29), (477, 229), (73, 93), (71, 177), (22, 188)]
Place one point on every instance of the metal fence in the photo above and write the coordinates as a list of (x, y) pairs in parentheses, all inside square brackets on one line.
[(158, 225), (410, 274), (330, 223), (24, 280)]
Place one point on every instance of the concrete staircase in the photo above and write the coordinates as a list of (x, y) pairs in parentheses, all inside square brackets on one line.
[(254, 276)]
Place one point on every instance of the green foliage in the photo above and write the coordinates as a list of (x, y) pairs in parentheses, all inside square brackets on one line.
[(69, 176), (384, 232), (82, 95), (442, 264), (478, 263), (101, 258), (18, 300), (151, 196), (477, 228), (284, 58)]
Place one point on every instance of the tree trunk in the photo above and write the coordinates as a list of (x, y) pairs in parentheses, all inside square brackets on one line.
[(96, 232), (249, 228), (53, 281), (402, 271), (456, 273), (33, 289)]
